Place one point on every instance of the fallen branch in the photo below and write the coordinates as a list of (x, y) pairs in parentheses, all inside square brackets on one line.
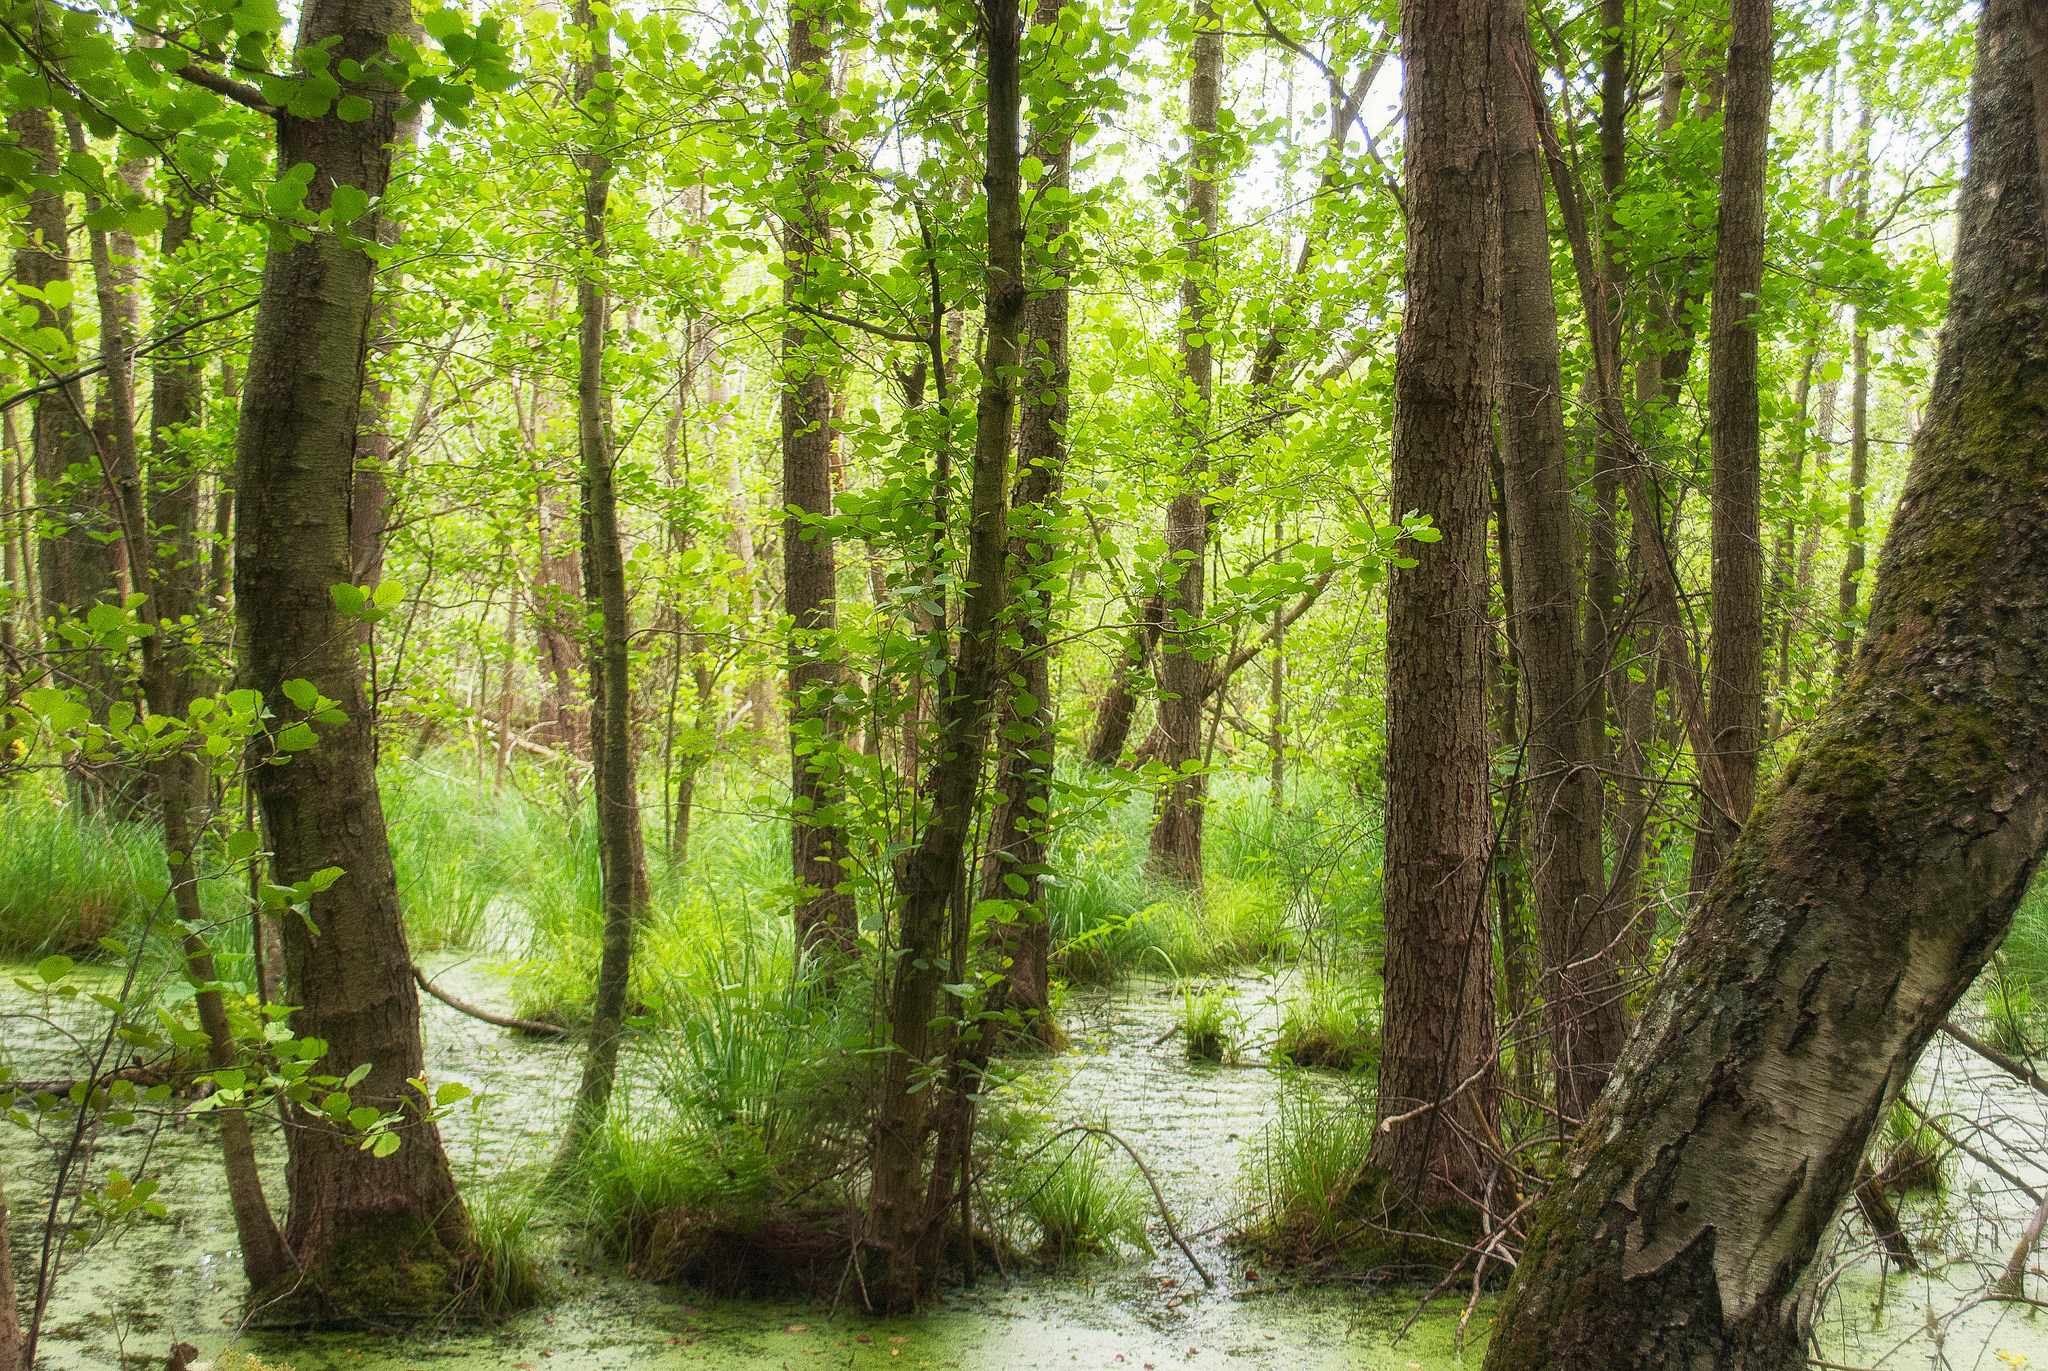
[(501, 1020), (2019, 1071)]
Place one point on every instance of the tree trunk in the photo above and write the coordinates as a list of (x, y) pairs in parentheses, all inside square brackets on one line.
[(73, 565), (1438, 1036), (825, 916), (1735, 695), (622, 860), (558, 598), (1578, 944), (12, 1346), (1684, 1230), (1177, 827), (1117, 707), (388, 1235), (932, 872), (1859, 427)]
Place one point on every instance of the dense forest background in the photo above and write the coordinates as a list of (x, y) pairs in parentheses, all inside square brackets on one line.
[(808, 538)]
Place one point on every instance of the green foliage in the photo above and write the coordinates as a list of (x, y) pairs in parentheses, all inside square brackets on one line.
[(1083, 1197), (1301, 1171), (69, 879), (1209, 1022), (509, 1275), (1332, 1024)]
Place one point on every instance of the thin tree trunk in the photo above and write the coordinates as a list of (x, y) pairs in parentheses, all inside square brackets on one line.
[(1579, 946), (1684, 1230), (13, 1347), (1735, 696), (622, 861), (372, 1234), (932, 873), (171, 590), (1117, 707), (1177, 827), (558, 597), (1856, 535), (1015, 870), (825, 916), (1438, 1035)]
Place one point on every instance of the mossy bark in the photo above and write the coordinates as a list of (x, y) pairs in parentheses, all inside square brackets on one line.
[(372, 1236), (1867, 890)]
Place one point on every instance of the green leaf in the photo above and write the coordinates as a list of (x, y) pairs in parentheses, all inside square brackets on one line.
[(347, 598), (298, 738), (54, 969), (451, 1092), (353, 109), (301, 692), (348, 205), (389, 593), (242, 846), (386, 1144), (363, 1116)]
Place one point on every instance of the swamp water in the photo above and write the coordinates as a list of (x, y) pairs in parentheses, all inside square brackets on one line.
[(128, 1299)]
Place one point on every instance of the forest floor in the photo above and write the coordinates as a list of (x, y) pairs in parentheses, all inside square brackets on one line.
[(1198, 1125)]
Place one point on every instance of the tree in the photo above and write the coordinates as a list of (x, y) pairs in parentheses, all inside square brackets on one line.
[(1870, 886), (366, 1232), (1735, 697), (1438, 1036), (825, 915), (932, 874), (10, 1321), (621, 855), (1183, 702), (1576, 936)]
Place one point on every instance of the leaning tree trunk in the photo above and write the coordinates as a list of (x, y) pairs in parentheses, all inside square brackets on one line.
[(621, 857), (932, 871), (1576, 937), (1867, 891), (1735, 695), (1177, 828), (372, 1234), (1439, 1032), (825, 916)]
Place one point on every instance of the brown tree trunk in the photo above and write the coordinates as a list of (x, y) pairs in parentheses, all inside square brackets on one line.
[(622, 860), (932, 873), (1438, 1038), (1015, 869), (557, 602), (375, 1234), (825, 914), (1177, 827), (1578, 943), (1859, 426), (1735, 695), (1683, 1231), (12, 1344), (1117, 707)]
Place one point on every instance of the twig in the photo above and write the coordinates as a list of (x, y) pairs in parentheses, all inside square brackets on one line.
[(501, 1020)]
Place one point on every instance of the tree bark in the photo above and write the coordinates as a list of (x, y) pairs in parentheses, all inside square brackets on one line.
[(1177, 826), (825, 916), (1735, 695), (1438, 1020), (932, 872), (12, 1346), (1579, 944), (622, 860), (1684, 1229), (1117, 707), (1015, 869), (73, 565), (1859, 424), (388, 1235)]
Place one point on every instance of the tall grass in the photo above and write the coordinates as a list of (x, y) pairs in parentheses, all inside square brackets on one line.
[(1300, 1173), (69, 879), (1083, 1197), (460, 850)]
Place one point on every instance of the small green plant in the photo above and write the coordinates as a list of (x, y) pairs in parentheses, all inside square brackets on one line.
[(1208, 1021), (1300, 1173), (509, 1275), (1083, 1200), (2008, 1008), (1330, 1024), (1915, 1159)]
